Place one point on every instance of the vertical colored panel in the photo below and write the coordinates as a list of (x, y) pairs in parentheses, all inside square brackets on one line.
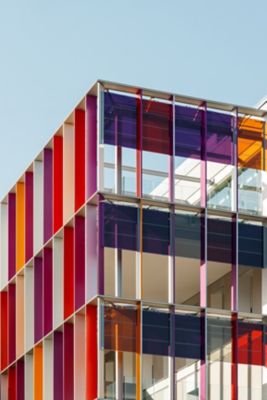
[(58, 365), (68, 272), (68, 376), (11, 235), (91, 146), (91, 252), (79, 243), (38, 299), (48, 369), (38, 372), (3, 244), (20, 225), (20, 315), (28, 215), (79, 158), (48, 289), (91, 353), (57, 182), (11, 323), (58, 281), (4, 322), (68, 168), (20, 379), (48, 194), (12, 383), (38, 201), (79, 357)]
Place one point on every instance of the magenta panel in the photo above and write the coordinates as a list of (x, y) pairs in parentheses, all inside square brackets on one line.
[(11, 235), (48, 289), (48, 194), (91, 140), (79, 261)]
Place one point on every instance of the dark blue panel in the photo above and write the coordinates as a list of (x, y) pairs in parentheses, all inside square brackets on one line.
[(156, 333), (120, 226), (220, 241), (187, 236), (188, 336), (250, 245), (120, 116), (156, 231)]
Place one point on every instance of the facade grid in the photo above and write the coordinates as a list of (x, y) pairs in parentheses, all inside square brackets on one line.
[(132, 254)]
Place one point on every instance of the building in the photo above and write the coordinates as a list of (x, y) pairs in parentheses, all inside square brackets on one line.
[(133, 262)]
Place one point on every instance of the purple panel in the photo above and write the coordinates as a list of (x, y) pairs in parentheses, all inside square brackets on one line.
[(219, 138), (48, 195), (91, 251), (79, 261), (11, 235), (38, 299), (188, 128), (11, 323), (68, 348), (20, 379), (58, 365), (48, 289), (120, 113), (91, 146), (28, 215)]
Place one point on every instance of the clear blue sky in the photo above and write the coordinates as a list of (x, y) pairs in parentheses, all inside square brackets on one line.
[(51, 51)]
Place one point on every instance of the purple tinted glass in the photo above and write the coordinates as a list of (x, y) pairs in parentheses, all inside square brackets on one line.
[(120, 120), (219, 143)]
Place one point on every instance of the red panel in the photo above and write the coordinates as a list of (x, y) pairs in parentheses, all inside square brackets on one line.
[(68, 379), (3, 299), (68, 271), (256, 347), (12, 383), (79, 158), (57, 183), (11, 323), (91, 353)]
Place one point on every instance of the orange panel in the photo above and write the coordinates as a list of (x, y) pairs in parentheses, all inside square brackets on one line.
[(38, 373), (20, 225), (250, 143), (20, 315)]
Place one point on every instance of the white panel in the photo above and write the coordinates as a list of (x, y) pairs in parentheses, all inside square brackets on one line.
[(29, 377), (68, 171), (48, 370), (58, 281), (3, 246), (38, 207), (29, 311)]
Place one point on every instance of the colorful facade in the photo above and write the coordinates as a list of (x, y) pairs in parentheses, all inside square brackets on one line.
[(132, 254)]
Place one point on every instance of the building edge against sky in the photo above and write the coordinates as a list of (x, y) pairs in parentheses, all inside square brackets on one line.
[(132, 254)]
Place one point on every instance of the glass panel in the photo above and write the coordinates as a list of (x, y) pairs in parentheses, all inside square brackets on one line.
[(187, 356), (156, 337), (219, 263), (120, 347), (187, 258), (188, 126), (128, 171), (219, 354), (156, 240), (157, 134), (109, 168)]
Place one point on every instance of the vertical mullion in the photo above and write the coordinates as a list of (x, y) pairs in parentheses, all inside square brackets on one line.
[(203, 261), (139, 146), (100, 137)]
